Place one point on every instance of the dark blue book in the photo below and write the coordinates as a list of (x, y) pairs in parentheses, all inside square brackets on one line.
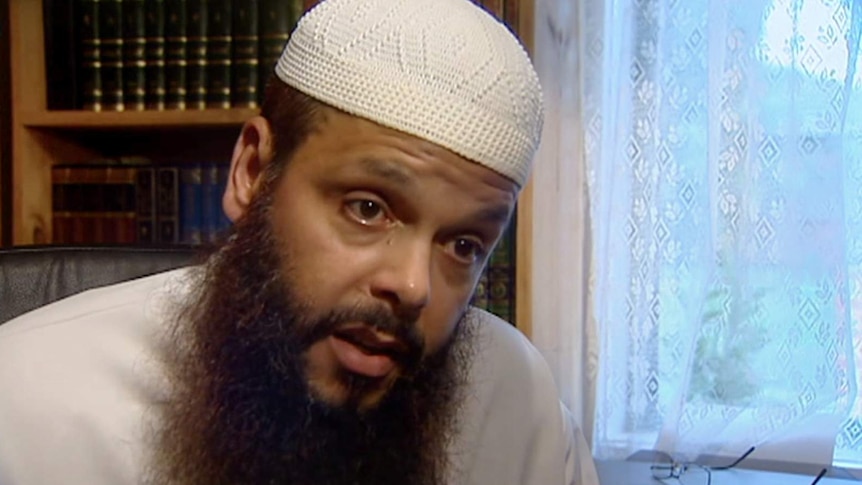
[(191, 204)]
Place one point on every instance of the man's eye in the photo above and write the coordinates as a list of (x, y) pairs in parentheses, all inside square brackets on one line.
[(366, 211), (468, 250)]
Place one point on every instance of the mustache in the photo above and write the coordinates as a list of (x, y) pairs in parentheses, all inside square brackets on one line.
[(402, 327)]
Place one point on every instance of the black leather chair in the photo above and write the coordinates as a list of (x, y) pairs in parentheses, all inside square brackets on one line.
[(32, 276)]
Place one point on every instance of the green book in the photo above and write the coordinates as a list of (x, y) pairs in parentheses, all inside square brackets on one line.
[(218, 54), (90, 76), (134, 58), (244, 80), (111, 51), (480, 295), (501, 277), (154, 54), (196, 67), (176, 53), (277, 18)]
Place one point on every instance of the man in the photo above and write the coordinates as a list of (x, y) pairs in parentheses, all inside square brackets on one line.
[(328, 339)]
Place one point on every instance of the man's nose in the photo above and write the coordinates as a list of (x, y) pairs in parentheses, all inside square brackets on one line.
[(403, 278)]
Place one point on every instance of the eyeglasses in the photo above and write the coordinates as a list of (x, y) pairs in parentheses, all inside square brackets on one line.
[(666, 467), (690, 473)]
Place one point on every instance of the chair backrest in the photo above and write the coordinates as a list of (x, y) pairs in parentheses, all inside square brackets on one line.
[(33, 276)]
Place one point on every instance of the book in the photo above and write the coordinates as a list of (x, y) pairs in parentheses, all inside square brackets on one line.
[(199, 203), (93, 203), (90, 78), (480, 294), (176, 53), (134, 55), (167, 204), (154, 54), (138, 200), (111, 53), (196, 55), (501, 276), (244, 75), (191, 203), (219, 52), (145, 204), (214, 219), (277, 18), (495, 288)]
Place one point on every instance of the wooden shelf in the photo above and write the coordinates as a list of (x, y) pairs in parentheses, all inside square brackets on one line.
[(42, 138), (136, 119)]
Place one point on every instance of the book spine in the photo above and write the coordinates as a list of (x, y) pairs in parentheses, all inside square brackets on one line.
[(501, 277), (244, 81), (93, 204), (117, 219), (111, 36), (154, 28), (196, 75), (500, 296), (218, 54), (118, 227), (90, 74), (480, 294), (167, 205), (277, 18), (191, 204), (145, 203), (176, 54), (134, 55), (85, 188), (211, 202)]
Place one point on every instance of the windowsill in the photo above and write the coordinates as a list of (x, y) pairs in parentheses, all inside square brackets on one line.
[(805, 446), (619, 472)]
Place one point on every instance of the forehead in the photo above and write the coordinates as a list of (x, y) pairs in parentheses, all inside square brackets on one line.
[(346, 145)]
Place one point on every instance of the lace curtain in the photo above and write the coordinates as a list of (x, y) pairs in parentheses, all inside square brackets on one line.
[(699, 283)]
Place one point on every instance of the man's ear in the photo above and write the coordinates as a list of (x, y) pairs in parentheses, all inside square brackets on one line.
[(252, 152)]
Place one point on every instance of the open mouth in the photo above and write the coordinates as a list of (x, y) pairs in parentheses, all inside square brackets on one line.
[(363, 351), (372, 343)]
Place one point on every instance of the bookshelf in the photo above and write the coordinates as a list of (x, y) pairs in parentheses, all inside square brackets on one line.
[(211, 118), (42, 138), (30, 194)]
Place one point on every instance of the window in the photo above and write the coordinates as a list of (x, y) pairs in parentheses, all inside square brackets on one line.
[(724, 150)]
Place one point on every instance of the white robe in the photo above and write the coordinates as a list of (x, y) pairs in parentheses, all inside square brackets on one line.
[(79, 378)]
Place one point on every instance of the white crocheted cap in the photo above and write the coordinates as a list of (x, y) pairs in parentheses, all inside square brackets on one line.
[(442, 70)]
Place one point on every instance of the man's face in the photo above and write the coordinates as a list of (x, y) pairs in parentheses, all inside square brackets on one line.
[(322, 338), (372, 223)]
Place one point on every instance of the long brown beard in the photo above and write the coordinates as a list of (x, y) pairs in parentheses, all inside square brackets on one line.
[(240, 409)]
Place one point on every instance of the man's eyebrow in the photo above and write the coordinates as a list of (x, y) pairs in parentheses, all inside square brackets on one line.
[(498, 214), (389, 170)]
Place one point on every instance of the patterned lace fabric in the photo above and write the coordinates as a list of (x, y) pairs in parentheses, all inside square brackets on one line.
[(722, 143)]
